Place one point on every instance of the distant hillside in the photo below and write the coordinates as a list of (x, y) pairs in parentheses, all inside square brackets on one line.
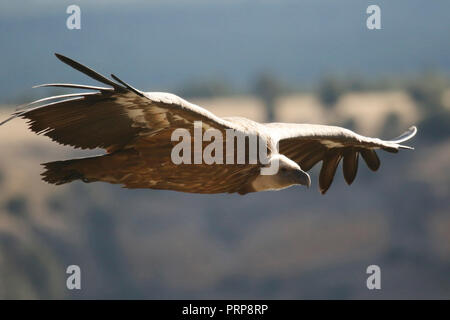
[(290, 244)]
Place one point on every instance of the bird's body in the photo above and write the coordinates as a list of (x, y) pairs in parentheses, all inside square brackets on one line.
[(136, 129)]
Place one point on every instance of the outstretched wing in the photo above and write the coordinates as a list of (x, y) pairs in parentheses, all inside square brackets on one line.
[(110, 118), (308, 144), (125, 121)]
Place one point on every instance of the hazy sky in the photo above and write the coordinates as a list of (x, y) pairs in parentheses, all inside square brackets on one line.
[(162, 45)]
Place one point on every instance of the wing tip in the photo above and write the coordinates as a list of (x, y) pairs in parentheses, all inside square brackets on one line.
[(61, 57), (13, 116), (412, 131), (408, 134), (400, 146), (88, 71), (129, 87)]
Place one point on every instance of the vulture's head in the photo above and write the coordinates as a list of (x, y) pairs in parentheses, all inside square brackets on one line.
[(281, 172)]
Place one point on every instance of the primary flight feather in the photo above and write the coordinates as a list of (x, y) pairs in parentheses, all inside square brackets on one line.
[(135, 129)]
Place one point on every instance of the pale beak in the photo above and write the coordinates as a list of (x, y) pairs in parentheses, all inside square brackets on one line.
[(303, 178)]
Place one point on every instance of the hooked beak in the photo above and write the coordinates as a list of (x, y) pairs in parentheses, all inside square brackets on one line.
[(303, 178)]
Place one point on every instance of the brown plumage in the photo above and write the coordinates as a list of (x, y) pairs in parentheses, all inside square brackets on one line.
[(135, 128), (350, 165), (329, 166)]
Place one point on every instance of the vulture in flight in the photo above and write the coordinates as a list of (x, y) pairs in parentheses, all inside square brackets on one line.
[(135, 130)]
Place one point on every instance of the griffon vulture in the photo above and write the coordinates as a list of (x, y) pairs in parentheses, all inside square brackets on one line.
[(135, 129)]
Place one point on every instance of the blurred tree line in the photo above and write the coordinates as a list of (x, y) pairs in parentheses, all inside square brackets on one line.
[(428, 92), (426, 89)]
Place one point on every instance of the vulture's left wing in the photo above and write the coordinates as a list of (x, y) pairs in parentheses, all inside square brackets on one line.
[(308, 144), (110, 117)]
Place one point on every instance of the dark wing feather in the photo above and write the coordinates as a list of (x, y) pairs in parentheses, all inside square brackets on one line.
[(89, 72), (87, 122), (371, 159), (350, 165), (312, 158), (330, 163)]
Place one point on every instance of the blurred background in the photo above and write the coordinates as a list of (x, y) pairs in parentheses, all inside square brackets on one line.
[(293, 61)]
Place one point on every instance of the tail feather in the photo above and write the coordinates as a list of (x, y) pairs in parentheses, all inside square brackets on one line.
[(108, 167), (61, 172)]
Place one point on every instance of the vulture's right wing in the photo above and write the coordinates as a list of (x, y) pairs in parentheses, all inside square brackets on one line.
[(308, 144)]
